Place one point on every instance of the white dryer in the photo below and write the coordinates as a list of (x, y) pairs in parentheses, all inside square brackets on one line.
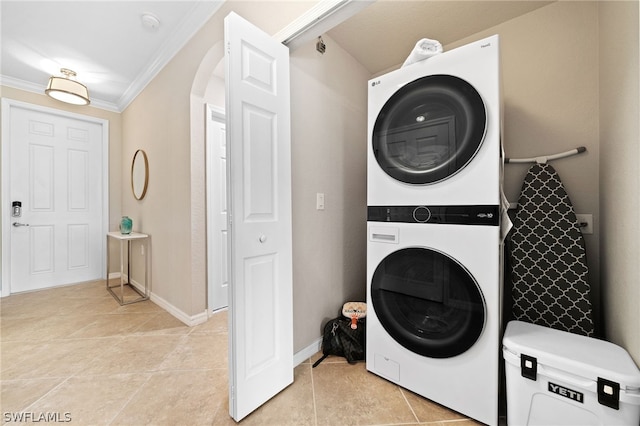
[(436, 125), (434, 297)]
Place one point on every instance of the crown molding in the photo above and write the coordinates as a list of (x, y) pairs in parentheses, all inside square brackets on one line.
[(201, 12), (320, 18)]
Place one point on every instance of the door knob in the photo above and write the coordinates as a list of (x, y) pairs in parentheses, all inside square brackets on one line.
[(18, 224)]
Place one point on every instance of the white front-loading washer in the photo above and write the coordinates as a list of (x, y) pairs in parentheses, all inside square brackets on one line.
[(434, 130), (434, 297)]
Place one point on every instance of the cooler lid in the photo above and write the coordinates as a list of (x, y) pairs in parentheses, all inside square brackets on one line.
[(579, 355)]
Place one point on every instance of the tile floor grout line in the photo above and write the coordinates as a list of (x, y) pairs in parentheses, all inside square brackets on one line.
[(95, 357), (415, 416), (60, 340), (25, 409), (135, 330), (128, 373), (313, 394), (128, 401), (165, 333)]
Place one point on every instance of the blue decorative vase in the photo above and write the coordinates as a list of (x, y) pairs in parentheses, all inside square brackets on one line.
[(126, 224)]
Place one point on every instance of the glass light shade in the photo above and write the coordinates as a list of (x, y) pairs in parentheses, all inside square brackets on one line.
[(67, 90)]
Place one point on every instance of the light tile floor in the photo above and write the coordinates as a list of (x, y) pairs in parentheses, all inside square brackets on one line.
[(74, 352)]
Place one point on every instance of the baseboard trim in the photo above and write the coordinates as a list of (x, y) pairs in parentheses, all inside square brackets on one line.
[(190, 320), (193, 320), (306, 353)]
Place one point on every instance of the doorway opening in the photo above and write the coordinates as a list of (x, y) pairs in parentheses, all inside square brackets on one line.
[(216, 187)]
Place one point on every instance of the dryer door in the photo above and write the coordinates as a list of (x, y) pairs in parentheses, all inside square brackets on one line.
[(428, 302), (429, 130)]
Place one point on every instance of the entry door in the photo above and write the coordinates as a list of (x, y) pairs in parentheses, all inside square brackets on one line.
[(56, 173), (259, 159), (217, 236)]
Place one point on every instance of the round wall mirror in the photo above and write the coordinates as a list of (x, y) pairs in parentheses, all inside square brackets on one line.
[(139, 174)]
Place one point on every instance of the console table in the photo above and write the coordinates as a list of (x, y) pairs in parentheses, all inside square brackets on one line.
[(125, 280)]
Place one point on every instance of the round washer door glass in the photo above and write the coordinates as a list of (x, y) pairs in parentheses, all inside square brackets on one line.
[(429, 129), (428, 302)]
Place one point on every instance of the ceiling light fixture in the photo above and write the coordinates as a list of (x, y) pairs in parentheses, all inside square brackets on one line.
[(67, 89)]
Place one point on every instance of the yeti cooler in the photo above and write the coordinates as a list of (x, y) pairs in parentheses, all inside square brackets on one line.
[(559, 378)]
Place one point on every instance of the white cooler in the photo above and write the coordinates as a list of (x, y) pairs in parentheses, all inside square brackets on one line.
[(559, 378)]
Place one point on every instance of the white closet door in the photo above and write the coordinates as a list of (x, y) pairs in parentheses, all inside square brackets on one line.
[(259, 159)]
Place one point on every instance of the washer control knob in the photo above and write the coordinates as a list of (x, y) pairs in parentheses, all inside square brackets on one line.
[(262, 238), (421, 214)]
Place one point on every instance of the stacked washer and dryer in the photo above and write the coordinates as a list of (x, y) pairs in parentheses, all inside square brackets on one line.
[(434, 247)]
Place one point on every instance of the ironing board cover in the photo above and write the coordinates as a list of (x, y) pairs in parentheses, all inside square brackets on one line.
[(548, 258)]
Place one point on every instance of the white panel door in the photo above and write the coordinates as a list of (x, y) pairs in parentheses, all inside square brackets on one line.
[(217, 235), (56, 173), (259, 158)]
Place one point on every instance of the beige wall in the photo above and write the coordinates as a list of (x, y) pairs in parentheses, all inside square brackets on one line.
[(620, 172), (550, 92), (570, 78), (160, 121), (329, 123), (560, 88), (550, 76), (115, 140)]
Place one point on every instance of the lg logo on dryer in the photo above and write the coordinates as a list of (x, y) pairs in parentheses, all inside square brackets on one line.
[(566, 392), (375, 83)]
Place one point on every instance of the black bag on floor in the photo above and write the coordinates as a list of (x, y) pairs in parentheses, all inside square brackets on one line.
[(340, 339)]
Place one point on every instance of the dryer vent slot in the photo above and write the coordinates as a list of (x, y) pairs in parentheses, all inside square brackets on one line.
[(384, 234), (383, 237)]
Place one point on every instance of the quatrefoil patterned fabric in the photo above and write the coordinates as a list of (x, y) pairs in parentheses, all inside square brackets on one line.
[(548, 258)]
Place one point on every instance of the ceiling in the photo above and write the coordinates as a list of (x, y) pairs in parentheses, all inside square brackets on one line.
[(104, 42), (381, 36), (116, 55)]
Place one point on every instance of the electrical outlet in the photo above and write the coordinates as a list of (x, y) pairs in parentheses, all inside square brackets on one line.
[(586, 223), (320, 201)]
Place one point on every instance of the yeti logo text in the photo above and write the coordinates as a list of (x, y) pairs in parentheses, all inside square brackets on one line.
[(566, 392)]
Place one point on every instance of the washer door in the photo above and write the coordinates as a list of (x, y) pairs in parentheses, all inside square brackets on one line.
[(428, 302), (429, 129)]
